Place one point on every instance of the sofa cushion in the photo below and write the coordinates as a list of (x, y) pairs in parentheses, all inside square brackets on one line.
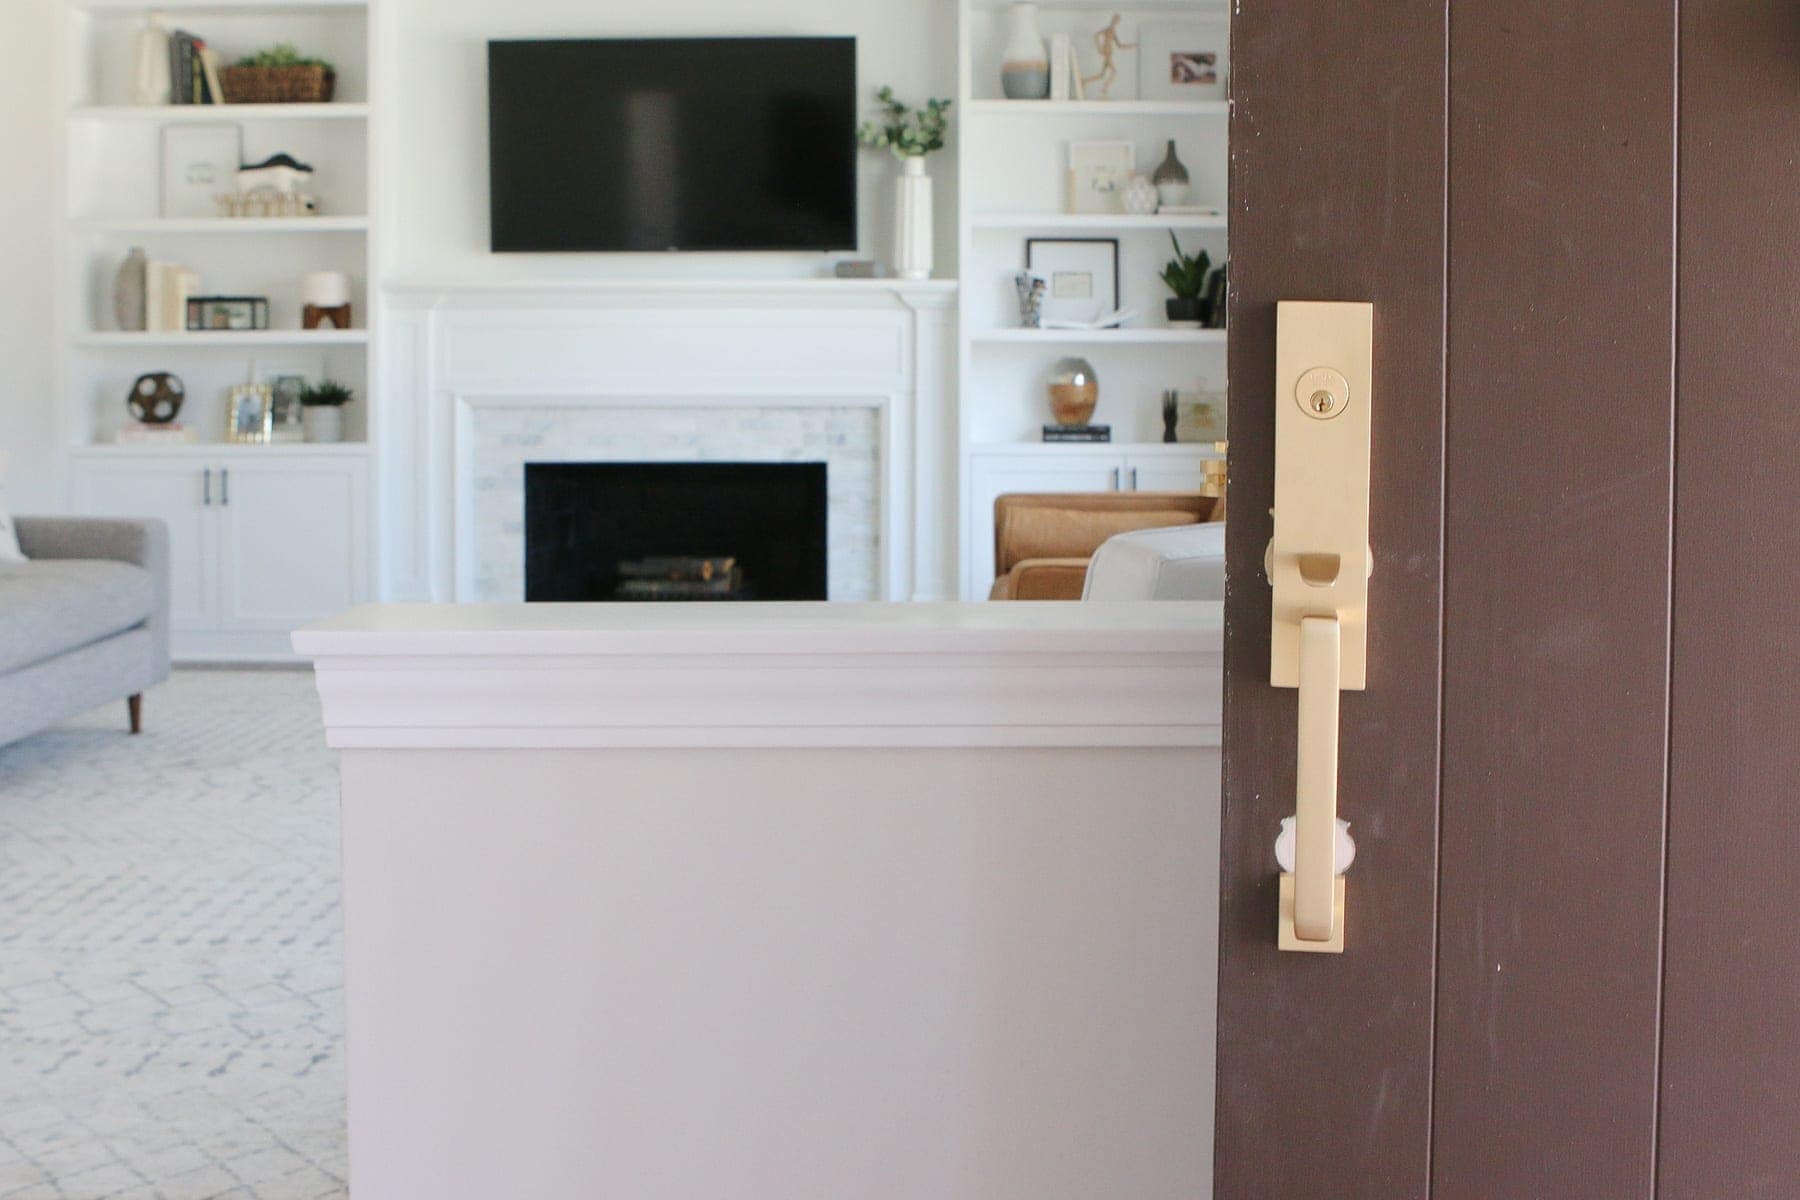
[(51, 606), (1073, 532)]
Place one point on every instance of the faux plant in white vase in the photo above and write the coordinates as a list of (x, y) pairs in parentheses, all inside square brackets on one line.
[(322, 411), (910, 134)]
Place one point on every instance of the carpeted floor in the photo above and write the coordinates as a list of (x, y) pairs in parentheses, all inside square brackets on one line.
[(171, 1007)]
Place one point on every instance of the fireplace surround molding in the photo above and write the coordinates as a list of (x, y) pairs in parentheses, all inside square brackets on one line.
[(481, 378)]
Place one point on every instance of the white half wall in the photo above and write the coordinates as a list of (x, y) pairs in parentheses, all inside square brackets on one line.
[(28, 135), (437, 139)]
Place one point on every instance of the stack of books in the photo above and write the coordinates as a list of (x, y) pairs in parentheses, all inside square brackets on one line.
[(139, 434), (1078, 433), (193, 71), (679, 578), (167, 289)]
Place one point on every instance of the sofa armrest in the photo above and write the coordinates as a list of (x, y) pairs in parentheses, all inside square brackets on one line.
[(144, 543)]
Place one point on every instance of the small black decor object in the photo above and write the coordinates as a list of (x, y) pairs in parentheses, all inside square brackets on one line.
[(155, 398), (1169, 413), (1214, 301)]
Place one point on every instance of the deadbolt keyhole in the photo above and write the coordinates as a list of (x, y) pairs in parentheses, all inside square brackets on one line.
[(1322, 393)]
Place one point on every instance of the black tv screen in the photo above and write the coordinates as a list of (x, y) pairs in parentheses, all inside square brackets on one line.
[(672, 144)]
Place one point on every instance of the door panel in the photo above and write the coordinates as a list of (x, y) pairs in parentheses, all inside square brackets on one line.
[(1337, 193), (171, 490), (1731, 1012), (293, 543), (1556, 596)]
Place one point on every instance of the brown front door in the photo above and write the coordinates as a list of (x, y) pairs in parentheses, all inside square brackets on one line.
[(1572, 962)]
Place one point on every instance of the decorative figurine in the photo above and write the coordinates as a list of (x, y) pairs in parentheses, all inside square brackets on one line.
[(1108, 42)]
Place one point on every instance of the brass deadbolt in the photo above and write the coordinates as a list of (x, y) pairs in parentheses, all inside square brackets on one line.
[(1322, 393)]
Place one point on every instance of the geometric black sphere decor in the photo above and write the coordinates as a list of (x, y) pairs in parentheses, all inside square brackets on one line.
[(155, 398)]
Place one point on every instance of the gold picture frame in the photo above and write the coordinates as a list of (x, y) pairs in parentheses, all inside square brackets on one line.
[(248, 413)]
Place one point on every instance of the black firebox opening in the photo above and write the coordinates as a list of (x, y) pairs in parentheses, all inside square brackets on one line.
[(584, 521)]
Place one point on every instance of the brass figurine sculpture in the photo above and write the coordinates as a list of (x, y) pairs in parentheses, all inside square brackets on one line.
[(1108, 42)]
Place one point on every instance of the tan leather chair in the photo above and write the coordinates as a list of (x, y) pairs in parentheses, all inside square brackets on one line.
[(1042, 543)]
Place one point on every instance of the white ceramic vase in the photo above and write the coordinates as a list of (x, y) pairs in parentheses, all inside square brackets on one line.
[(912, 220), (150, 84), (323, 422), (1024, 59)]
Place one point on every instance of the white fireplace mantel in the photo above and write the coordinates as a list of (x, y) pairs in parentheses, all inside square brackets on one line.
[(582, 353)]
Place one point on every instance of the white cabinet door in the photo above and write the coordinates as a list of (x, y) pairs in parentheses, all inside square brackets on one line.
[(1077, 469), (293, 537), (1166, 473), (174, 489)]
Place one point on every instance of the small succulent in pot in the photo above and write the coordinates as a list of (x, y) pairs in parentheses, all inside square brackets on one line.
[(322, 411), (1186, 276)]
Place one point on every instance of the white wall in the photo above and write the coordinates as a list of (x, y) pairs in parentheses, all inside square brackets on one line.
[(437, 141), (28, 131)]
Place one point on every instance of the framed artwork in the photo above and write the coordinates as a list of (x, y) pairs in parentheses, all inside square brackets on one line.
[(199, 164), (1098, 175), (247, 414), (1081, 276), (287, 388), (1184, 60)]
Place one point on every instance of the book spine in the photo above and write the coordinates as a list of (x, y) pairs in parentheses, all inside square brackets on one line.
[(153, 297)]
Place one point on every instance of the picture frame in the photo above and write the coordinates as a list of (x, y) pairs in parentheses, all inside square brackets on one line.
[(287, 390), (1082, 276), (1184, 60), (247, 414), (199, 164), (1099, 173), (1199, 416), (227, 313)]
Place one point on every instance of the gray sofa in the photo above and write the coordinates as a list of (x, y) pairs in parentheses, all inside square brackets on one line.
[(85, 620)]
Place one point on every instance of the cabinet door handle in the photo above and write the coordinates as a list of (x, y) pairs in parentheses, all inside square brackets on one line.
[(225, 487), (206, 488), (1115, 479), (1134, 479)]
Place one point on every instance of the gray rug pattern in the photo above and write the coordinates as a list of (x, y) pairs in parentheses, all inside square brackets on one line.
[(171, 986)]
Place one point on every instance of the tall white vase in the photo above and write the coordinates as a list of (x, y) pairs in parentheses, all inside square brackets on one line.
[(912, 220), (150, 84)]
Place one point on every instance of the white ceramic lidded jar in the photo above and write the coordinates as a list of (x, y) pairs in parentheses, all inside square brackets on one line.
[(1024, 59)]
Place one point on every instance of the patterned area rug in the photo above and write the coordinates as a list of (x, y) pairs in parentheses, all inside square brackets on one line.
[(171, 981)]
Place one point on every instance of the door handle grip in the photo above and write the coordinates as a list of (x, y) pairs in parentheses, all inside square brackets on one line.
[(1316, 915), (206, 488)]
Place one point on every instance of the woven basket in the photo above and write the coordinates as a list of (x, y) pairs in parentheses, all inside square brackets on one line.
[(277, 85)]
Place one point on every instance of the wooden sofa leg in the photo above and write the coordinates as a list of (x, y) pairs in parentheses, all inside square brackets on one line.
[(135, 706)]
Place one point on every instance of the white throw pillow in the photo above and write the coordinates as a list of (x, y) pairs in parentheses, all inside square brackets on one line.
[(9, 537)]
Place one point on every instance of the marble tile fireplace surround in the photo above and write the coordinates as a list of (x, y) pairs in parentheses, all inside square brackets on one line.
[(488, 378)]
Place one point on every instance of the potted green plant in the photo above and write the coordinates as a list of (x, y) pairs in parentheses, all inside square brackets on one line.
[(1185, 275), (910, 134), (322, 411), (279, 75)]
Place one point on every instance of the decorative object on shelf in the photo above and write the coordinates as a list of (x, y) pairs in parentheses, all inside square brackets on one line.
[(279, 75), (1098, 175), (1064, 74), (234, 313), (1199, 415), (1185, 275), (139, 434), (155, 398), (1141, 196), (325, 300), (253, 205), (1214, 302), (910, 134), (1031, 288), (1078, 433), (280, 173), (167, 287), (1074, 391), (287, 396), (150, 85), (247, 414), (1171, 179), (1024, 61), (1169, 414), (1108, 43), (128, 291), (1082, 275), (198, 163), (323, 411), (857, 268), (1184, 60), (193, 71)]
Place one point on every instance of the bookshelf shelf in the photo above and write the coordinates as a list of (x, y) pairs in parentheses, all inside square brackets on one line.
[(214, 450), (1100, 337), (228, 226), (1096, 222), (1059, 109), (241, 339), (174, 114), (219, 8)]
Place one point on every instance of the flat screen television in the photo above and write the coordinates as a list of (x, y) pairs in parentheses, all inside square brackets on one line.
[(672, 144)]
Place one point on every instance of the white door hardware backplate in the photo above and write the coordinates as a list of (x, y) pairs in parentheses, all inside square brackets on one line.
[(1319, 562)]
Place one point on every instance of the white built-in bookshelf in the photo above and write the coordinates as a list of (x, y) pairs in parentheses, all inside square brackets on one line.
[(263, 536), (1012, 168)]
